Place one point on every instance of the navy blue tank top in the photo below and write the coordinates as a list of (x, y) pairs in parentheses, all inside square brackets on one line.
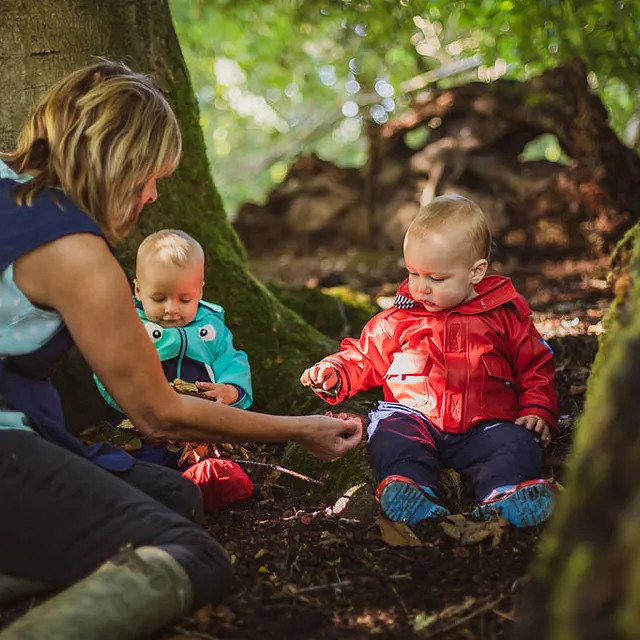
[(24, 379)]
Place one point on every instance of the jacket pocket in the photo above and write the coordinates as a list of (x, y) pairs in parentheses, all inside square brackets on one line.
[(499, 395), (407, 378)]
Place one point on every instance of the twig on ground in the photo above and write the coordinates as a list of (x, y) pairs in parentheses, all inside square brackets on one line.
[(479, 611), (323, 587), (194, 634), (506, 616), (277, 467)]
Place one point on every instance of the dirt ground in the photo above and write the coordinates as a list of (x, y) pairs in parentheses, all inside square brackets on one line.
[(303, 572)]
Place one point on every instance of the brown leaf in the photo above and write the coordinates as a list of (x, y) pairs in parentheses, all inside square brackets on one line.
[(473, 531), (451, 484), (182, 386), (577, 389), (397, 534)]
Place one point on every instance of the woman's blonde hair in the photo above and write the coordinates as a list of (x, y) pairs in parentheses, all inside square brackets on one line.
[(99, 134), (454, 209)]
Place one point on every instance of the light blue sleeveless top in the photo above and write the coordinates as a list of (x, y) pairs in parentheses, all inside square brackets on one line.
[(23, 327)]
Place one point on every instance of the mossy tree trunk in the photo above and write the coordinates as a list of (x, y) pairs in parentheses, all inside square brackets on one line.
[(586, 583), (42, 41)]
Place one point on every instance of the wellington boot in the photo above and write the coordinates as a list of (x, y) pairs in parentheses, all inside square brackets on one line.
[(13, 588), (131, 596)]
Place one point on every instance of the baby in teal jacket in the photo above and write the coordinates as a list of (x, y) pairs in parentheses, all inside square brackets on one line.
[(189, 334)]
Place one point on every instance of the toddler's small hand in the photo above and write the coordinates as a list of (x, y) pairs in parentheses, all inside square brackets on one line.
[(222, 393), (321, 375), (539, 426)]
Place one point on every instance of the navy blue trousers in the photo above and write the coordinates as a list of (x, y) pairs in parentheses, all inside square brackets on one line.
[(490, 455)]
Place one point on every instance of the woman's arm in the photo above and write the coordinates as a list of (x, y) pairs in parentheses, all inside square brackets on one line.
[(78, 276)]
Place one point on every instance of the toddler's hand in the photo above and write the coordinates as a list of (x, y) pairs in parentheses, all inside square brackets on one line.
[(322, 375), (222, 393), (540, 426)]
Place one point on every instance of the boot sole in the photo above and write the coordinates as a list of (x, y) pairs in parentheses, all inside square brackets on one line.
[(404, 502), (525, 507)]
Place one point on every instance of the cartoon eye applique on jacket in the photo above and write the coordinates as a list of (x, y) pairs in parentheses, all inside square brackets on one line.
[(154, 330), (207, 333)]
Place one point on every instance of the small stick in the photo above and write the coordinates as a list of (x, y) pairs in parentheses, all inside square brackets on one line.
[(322, 587), (276, 467)]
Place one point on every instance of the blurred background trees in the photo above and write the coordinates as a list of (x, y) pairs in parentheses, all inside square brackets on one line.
[(276, 79)]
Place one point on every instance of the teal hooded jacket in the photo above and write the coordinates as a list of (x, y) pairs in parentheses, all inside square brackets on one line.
[(202, 351)]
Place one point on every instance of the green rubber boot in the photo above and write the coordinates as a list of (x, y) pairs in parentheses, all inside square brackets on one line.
[(131, 596), (13, 588)]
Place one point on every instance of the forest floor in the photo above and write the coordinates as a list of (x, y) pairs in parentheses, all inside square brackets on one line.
[(303, 572)]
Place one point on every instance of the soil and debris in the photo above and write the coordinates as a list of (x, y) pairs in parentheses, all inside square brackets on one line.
[(309, 570)]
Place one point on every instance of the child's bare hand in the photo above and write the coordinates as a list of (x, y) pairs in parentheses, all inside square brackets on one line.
[(321, 375), (222, 393), (539, 426)]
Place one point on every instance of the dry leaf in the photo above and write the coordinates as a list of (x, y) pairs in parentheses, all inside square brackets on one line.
[(451, 484), (397, 534), (577, 389), (126, 424), (181, 386), (473, 531)]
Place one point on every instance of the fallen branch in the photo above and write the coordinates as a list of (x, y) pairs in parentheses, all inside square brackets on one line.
[(479, 611), (324, 587), (277, 467)]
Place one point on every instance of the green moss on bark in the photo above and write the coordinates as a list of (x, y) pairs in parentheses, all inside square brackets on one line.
[(585, 581)]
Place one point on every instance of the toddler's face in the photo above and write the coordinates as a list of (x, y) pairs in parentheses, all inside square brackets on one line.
[(169, 293), (441, 269)]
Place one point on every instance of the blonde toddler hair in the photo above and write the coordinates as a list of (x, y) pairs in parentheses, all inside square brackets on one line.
[(99, 134), (171, 245), (455, 210)]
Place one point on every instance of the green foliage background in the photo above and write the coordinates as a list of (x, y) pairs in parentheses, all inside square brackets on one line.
[(276, 78)]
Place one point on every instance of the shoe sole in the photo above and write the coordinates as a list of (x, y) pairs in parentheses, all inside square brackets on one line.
[(404, 502), (525, 507)]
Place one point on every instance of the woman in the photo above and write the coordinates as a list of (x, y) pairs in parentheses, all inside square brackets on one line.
[(86, 163)]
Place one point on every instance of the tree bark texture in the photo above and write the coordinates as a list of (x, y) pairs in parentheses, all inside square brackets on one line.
[(42, 41), (586, 583)]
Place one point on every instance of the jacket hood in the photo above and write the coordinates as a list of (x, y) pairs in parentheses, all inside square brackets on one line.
[(493, 292)]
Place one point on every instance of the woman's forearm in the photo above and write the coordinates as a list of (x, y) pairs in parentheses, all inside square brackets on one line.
[(187, 418)]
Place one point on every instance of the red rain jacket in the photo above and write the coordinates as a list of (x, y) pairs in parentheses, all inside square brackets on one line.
[(481, 360)]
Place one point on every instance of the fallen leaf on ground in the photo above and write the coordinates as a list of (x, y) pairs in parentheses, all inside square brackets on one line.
[(472, 531), (451, 484), (423, 620), (397, 534)]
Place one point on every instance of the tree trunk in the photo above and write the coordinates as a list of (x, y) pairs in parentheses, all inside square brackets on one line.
[(586, 584), (42, 41)]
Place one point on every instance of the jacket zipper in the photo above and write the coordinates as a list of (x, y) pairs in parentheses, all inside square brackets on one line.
[(182, 351)]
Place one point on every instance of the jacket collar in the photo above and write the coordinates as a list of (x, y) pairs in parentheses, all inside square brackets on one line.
[(493, 292)]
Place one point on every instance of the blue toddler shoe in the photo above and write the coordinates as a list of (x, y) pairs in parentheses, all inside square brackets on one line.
[(523, 505), (403, 500)]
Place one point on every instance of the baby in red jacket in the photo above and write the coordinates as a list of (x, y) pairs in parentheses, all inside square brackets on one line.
[(468, 381)]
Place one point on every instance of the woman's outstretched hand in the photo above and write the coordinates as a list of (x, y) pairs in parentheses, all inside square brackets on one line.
[(329, 438)]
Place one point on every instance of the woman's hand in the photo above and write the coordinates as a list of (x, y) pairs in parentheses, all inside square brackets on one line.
[(329, 438), (223, 393)]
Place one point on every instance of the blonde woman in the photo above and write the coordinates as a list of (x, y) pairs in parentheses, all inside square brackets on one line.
[(86, 163)]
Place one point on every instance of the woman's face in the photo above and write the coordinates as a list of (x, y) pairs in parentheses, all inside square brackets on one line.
[(148, 195), (149, 192)]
